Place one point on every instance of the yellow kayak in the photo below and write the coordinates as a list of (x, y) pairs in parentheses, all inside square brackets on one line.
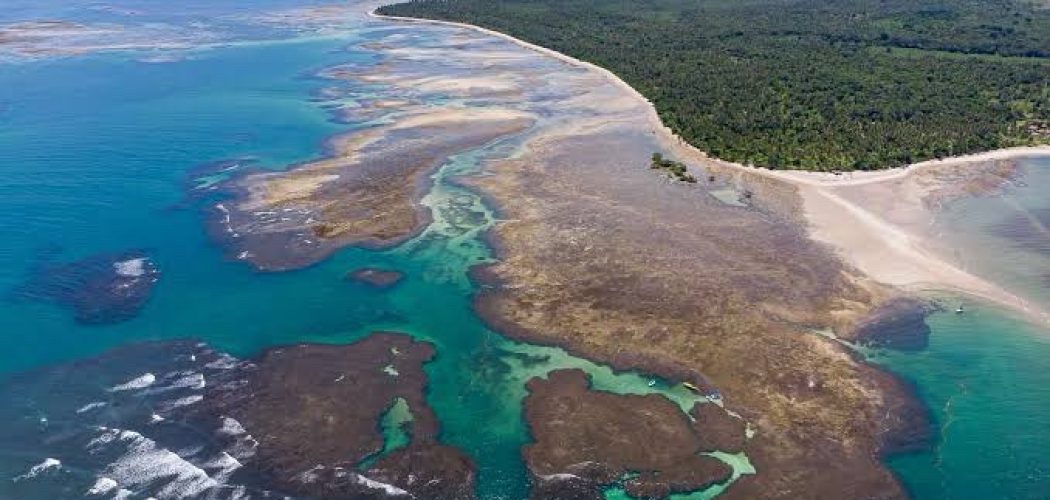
[(691, 386)]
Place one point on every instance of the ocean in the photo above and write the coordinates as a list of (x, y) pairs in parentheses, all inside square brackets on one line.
[(100, 150), (986, 373)]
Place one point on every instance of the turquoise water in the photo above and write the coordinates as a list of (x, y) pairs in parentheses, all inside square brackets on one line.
[(986, 377), (96, 154), (986, 373)]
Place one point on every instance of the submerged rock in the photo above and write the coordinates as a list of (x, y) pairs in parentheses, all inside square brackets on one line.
[(899, 323), (179, 420), (585, 440), (115, 423), (100, 289), (378, 278), (315, 410)]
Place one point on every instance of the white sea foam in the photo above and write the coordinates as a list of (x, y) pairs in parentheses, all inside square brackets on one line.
[(185, 401), (131, 436), (176, 381), (376, 485), (225, 362), (141, 382), (233, 385), (222, 466), (144, 464), (98, 442), (185, 380), (308, 476), (155, 419), (102, 486), (34, 471), (559, 477), (91, 406), (230, 427), (131, 268), (244, 445)]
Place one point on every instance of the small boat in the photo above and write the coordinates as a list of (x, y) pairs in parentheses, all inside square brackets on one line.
[(959, 310), (652, 383), (691, 386)]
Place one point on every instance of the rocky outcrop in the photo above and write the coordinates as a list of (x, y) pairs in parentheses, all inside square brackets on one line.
[(585, 440), (899, 323), (100, 289), (315, 411)]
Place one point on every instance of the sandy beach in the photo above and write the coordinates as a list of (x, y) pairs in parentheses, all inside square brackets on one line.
[(893, 253)]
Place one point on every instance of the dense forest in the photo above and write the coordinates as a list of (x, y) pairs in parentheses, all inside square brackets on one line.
[(813, 84)]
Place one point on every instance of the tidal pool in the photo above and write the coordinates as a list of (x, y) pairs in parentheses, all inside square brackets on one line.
[(98, 152)]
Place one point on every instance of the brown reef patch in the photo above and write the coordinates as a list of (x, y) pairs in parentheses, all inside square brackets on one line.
[(946, 183), (425, 103), (600, 259), (718, 430), (584, 440), (366, 194), (314, 410)]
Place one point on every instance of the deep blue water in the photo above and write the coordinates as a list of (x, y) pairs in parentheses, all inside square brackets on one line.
[(98, 150), (96, 153)]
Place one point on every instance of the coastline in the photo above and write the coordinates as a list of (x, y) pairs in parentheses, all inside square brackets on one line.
[(796, 176), (907, 249), (870, 176), (581, 229)]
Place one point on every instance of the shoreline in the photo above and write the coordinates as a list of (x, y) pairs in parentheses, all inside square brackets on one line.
[(896, 419), (800, 176), (856, 178), (812, 189)]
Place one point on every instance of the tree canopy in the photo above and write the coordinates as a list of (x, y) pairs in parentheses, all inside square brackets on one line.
[(812, 84)]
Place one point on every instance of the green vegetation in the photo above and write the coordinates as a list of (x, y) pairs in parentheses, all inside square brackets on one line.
[(675, 169), (813, 84)]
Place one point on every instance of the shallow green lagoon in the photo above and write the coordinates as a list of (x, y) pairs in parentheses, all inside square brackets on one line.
[(100, 149), (96, 152)]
